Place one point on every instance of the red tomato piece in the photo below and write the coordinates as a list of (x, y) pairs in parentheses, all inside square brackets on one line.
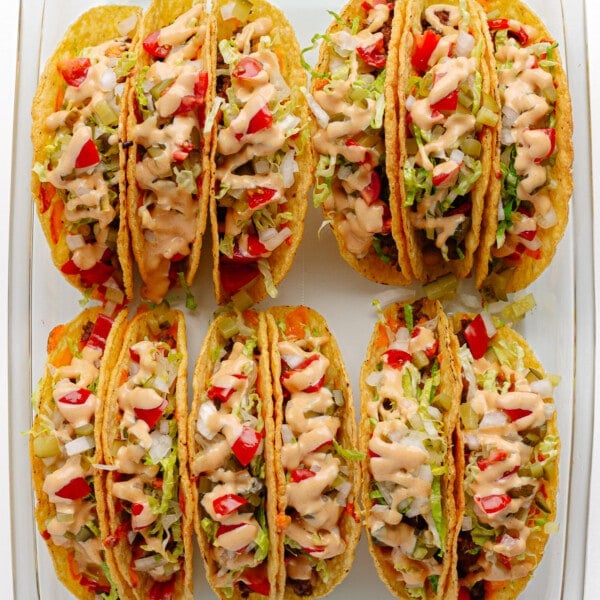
[(514, 414), (263, 119), (315, 387), (219, 393), (247, 68), (464, 593), (424, 45), (258, 197), (448, 102), (100, 332), (76, 489), (76, 396), (256, 249), (222, 529), (246, 446), (97, 275), (152, 47), (88, 156), (257, 580), (137, 509), (187, 104), (234, 276), (201, 85), (371, 192), (183, 151), (551, 133), (74, 70), (446, 177), (151, 415), (299, 475), (373, 55), (528, 235), (493, 504), (94, 585), (504, 561), (520, 34), (396, 358), (477, 337), (162, 590), (225, 505), (495, 456)]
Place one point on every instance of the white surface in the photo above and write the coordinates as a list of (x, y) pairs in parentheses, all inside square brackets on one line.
[(38, 298)]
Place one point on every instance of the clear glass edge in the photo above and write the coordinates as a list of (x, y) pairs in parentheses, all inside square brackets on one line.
[(578, 447)]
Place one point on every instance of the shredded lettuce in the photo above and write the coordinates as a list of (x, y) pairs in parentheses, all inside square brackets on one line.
[(265, 269), (437, 511), (347, 453)]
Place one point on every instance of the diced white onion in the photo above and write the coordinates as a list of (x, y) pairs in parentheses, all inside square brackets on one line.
[(108, 80), (467, 523), (506, 136), (344, 172), (490, 328), (373, 378), (79, 445), (501, 213), (400, 294), (410, 102), (292, 360), (102, 467), (75, 241), (287, 168), (548, 219), (457, 155), (338, 397), (509, 116), (319, 113), (472, 441), (549, 410), (161, 446), (415, 421), (131, 536), (163, 426), (160, 384), (494, 418), (126, 25), (287, 436), (343, 489), (435, 412), (429, 427), (262, 167), (289, 122), (533, 244), (464, 44), (344, 40), (227, 11), (205, 412), (147, 563), (276, 240)]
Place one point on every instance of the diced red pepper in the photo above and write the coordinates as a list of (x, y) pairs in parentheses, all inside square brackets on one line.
[(88, 156), (76, 396), (528, 235), (373, 55), (477, 337), (152, 47), (257, 580), (520, 34), (247, 68), (396, 358), (263, 119), (75, 490), (234, 276), (151, 415), (551, 133), (494, 503), (219, 393), (424, 45), (514, 414), (371, 192), (100, 332), (299, 475), (495, 456), (448, 102), (74, 70), (228, 503), (162, 590), (246, 446), (258, 197)]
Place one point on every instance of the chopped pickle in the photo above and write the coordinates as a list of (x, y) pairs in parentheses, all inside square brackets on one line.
[(87, 429), (468, 417), (442, 401), (105, 114), (518, 309), (46, 446), (159, 88), (242, 300), (228, 327), (419, 359), (441, 288)]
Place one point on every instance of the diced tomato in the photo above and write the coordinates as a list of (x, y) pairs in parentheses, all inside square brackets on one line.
[(464, 593), (76, 396), (246, 446), (477, 337), (350, 509), (98, 274), (446, 178), (373, 55), (255, 247), (88, 156), (258, 197), (247, 68), (504, 561), (396, 358), (219, 393), (94, 585), (234, 276), (551, 133), (315, 387), (424, 45), (228, 503), (201, 85), (528, 235), (187, 104), (520, 34), (495, 456), (371, 192), (152, 47), (74, 70), (299, 475), (449, 102), (373, 454), (183, 151), (75, 490), (151, 415), (514, 414), (257, 580), (263, 119), (100, 332), (222, 529), (137, 509), (133, 355), (162, 590), (493, 503)]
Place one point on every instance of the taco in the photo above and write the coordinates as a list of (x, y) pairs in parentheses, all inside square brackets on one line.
[(230, 437), (527, 205), (168, 170), (317, 468), (78, 119), (355, 108), (409, 390), (146, 517), (65, 449), (447, 119), (263, 151), (507, 450)]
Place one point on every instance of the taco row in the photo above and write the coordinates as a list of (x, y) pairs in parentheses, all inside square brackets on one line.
[(143, 124), (264, 467), (442, 141), (459, 428)]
